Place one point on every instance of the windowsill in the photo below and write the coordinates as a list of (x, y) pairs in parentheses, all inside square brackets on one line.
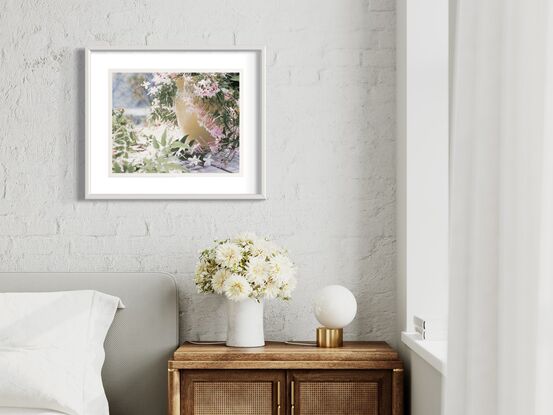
[(432, 351)]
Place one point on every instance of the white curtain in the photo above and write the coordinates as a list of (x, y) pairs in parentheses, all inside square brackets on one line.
[(500, 357)]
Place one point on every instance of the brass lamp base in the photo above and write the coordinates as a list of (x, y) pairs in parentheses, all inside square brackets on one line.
[(330, 337)]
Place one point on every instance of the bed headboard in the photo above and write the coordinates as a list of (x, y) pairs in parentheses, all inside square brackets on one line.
[(140, 341)]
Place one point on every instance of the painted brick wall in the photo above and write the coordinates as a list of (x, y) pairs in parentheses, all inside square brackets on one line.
[(331, 167)]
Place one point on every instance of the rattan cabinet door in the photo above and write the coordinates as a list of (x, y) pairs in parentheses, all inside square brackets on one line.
[(233, 392), (340, 392)]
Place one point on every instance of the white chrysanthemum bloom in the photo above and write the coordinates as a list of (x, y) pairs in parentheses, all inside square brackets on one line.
[(201, 270), (219, 279), (237, 288), (258, 270), (228, 254), (272, 289), (245, 238), (201, 267), (282, 268), (262, 247)]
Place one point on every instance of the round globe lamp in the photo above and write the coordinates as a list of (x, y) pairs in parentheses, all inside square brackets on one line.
[(335, 307)]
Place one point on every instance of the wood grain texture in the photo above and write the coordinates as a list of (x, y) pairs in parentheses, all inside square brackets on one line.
[(298, 364), (173, 389), (397, 392), (276, 351)]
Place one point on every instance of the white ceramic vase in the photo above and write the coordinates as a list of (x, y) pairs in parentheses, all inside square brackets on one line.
[(245, 323)]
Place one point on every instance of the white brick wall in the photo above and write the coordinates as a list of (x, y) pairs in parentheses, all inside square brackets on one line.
[(331, 175)]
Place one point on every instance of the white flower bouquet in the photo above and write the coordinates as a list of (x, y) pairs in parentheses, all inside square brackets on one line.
[(246, 267)]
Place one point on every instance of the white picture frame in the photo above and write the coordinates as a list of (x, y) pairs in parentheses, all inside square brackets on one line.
[(249, 179)]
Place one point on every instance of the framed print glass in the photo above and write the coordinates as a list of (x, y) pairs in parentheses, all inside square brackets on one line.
[(175, 124)]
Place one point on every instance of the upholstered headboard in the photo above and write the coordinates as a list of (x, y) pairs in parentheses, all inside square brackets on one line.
[(141, 339)]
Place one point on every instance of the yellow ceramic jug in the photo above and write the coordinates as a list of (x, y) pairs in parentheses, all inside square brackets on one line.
[(188, 120)]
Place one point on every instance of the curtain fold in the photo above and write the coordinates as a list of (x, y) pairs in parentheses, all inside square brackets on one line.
[(501, 313)]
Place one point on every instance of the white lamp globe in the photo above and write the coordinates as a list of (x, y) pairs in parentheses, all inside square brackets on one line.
[(335, 306)]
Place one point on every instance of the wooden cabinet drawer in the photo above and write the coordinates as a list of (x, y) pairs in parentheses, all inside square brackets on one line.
[(228, 392), (340, 392)]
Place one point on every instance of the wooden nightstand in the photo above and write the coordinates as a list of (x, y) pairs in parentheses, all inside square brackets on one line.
[(361, 378)]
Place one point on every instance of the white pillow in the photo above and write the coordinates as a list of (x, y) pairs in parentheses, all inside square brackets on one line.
[(51, 350), (28, 411)]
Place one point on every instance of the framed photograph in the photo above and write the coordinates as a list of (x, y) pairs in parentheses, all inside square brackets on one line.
[(175, 124)]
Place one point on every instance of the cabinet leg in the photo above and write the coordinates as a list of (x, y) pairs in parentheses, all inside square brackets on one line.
[(173, 378), (397, 392)]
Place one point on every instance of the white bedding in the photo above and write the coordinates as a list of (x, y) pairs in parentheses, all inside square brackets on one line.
[(51, 351), (27, 411)]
